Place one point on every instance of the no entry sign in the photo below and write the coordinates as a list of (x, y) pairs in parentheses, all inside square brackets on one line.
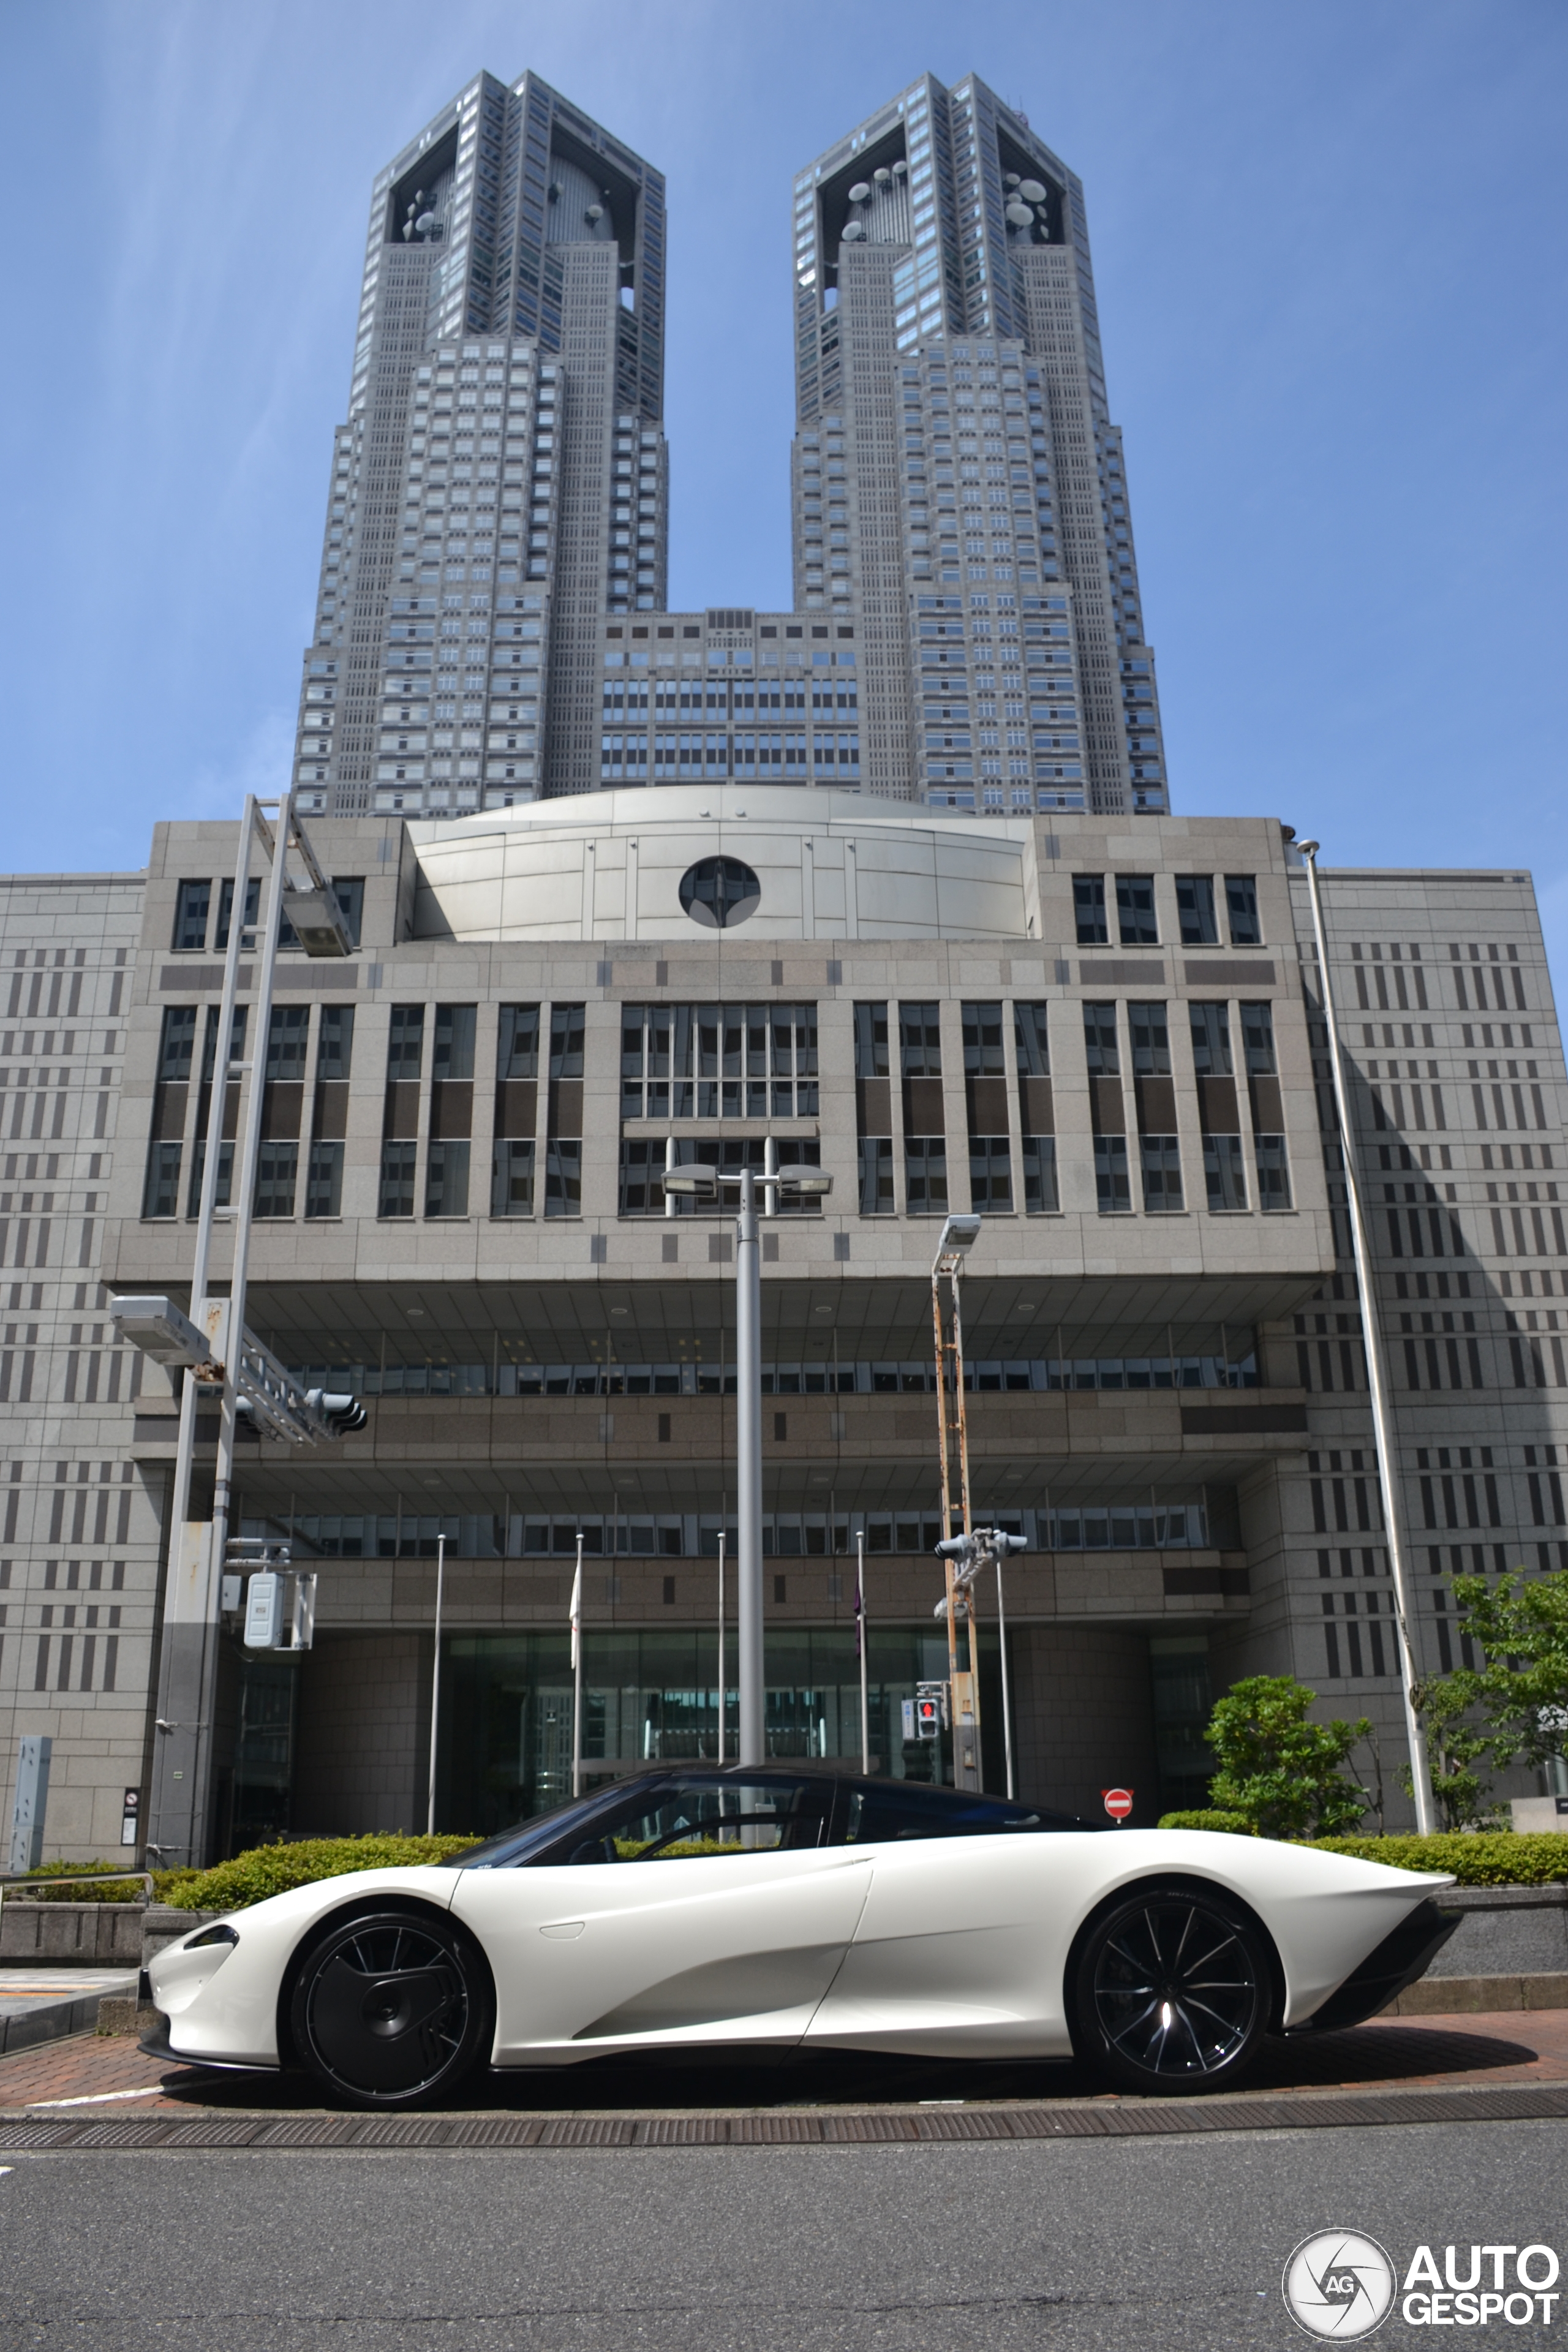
[(1118, 1803)]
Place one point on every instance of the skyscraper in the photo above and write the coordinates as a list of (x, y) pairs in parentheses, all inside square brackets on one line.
[(949, 370), (505, 403), (500, 489)]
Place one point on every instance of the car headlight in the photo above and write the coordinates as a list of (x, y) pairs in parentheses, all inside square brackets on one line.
[(220, 1932)]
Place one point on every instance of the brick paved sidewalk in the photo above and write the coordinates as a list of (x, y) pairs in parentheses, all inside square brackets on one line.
[(108, 2074)]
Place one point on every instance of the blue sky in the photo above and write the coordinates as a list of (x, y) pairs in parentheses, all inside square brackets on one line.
[(1329, 242)]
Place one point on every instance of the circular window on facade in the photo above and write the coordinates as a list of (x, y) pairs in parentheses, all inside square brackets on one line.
[(719, 892)]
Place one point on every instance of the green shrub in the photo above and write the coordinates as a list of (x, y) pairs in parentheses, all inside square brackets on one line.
[(272, 1869), (1476, 1857), (127, 1890), (1235, 1824)]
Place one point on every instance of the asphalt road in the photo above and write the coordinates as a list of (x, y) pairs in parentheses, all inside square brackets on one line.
[(1133, 2245)]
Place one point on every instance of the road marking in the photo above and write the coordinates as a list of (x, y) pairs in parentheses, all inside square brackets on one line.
[(97, 2098)]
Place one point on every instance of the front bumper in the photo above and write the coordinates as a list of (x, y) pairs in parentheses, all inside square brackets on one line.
[(1402, 1957), (155, 2043)]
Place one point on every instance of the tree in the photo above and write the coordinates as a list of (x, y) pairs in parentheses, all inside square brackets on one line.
[(1284, 1773), (1454, 1741), (1521, 1626)]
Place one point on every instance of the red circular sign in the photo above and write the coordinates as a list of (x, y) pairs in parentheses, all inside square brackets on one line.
[(1118, 1803)]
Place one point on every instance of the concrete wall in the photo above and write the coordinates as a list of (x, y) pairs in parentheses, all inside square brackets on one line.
[(362, 1734)]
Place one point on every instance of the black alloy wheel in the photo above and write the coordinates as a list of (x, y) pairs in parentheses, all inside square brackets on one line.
[(1171, 1991), (393, 2009)]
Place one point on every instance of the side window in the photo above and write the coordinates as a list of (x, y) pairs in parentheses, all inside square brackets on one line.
[(699, 1820), (892, 1811)]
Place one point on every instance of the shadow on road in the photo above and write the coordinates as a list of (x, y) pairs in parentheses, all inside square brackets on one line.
[(656, 2084)]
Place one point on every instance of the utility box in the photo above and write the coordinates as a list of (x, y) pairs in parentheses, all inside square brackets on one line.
[(280, 1609), (30, 1804)]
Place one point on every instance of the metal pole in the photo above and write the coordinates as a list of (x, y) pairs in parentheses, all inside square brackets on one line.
[(749, 1475), (578, 1673), (1006, 1698), (860, 1627), (720, 1645), (186, 1672), (1377, 1377), (435, 1675)]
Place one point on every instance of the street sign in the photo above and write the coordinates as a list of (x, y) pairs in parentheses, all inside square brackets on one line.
[(1118, 1804), (130, 1816)]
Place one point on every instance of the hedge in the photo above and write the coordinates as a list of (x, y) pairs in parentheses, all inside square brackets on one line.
[(1208, 1818), (128, 1890), (273, 1869), (1476, 1857)]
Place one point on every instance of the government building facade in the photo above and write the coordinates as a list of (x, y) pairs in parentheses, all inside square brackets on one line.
[(888, 887)]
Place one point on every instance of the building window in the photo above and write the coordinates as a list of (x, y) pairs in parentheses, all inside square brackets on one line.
[(1040, 1195), (1088, 908), (567, 1029), (176, 1044), (277, 1169), (446, 1178), (1258, 1039), (226, 909), (397, 1195), (1223, 1172), (1099, 1045), (511, 1178), (1135, 910), (1241, 905), (990, 1173), (719, 1061), (1113, 1187), (324, 1180), (1196, 910), (1211, 1039), (190, 907), (160, 1192), (1273, 1172), (1162, 1161), (925, 1176), (563, 1179), (876, 1154)]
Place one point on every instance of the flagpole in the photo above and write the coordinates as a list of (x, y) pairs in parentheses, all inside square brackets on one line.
[(435, 1678), (861, 1645), (578, 1673), (720, 1645)]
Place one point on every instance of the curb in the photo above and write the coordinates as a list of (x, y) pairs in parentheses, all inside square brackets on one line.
[(1086, 2119), (49, 2021)]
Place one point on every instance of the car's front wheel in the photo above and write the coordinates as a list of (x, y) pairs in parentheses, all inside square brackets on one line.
[(392, 2009), (1171, 1991)]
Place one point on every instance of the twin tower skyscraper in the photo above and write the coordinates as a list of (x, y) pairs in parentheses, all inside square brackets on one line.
[(492, 623)]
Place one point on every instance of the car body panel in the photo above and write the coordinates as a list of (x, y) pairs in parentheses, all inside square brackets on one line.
[(734, 1948), (955, 1945), (231, 2016)]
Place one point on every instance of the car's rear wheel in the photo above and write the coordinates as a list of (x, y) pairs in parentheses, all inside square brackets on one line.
[(392, 2009), (1171, 1991)]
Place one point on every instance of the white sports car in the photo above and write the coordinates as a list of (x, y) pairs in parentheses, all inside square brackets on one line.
[(780, 1907)]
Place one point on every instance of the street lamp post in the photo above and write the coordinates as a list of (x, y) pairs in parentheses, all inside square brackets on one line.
[(704, 1184), (1376, 1374), (180, 1804)]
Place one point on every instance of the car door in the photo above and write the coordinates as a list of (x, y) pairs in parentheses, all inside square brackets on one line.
[(953, 1950), (710, 1907)]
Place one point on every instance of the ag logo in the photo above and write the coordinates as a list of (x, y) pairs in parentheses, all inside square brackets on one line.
[(1339, 2283)]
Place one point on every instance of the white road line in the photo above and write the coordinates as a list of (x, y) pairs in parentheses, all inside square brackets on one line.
[(96, 2099)]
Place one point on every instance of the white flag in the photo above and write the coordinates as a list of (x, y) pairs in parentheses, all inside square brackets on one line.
[(576, 1615)]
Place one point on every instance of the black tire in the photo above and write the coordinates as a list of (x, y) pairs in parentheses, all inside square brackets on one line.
[(1171, 1991), (393, 2009)]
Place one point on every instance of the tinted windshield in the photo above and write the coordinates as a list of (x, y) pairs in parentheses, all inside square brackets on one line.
[(882, 1811), (525, 1838)]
